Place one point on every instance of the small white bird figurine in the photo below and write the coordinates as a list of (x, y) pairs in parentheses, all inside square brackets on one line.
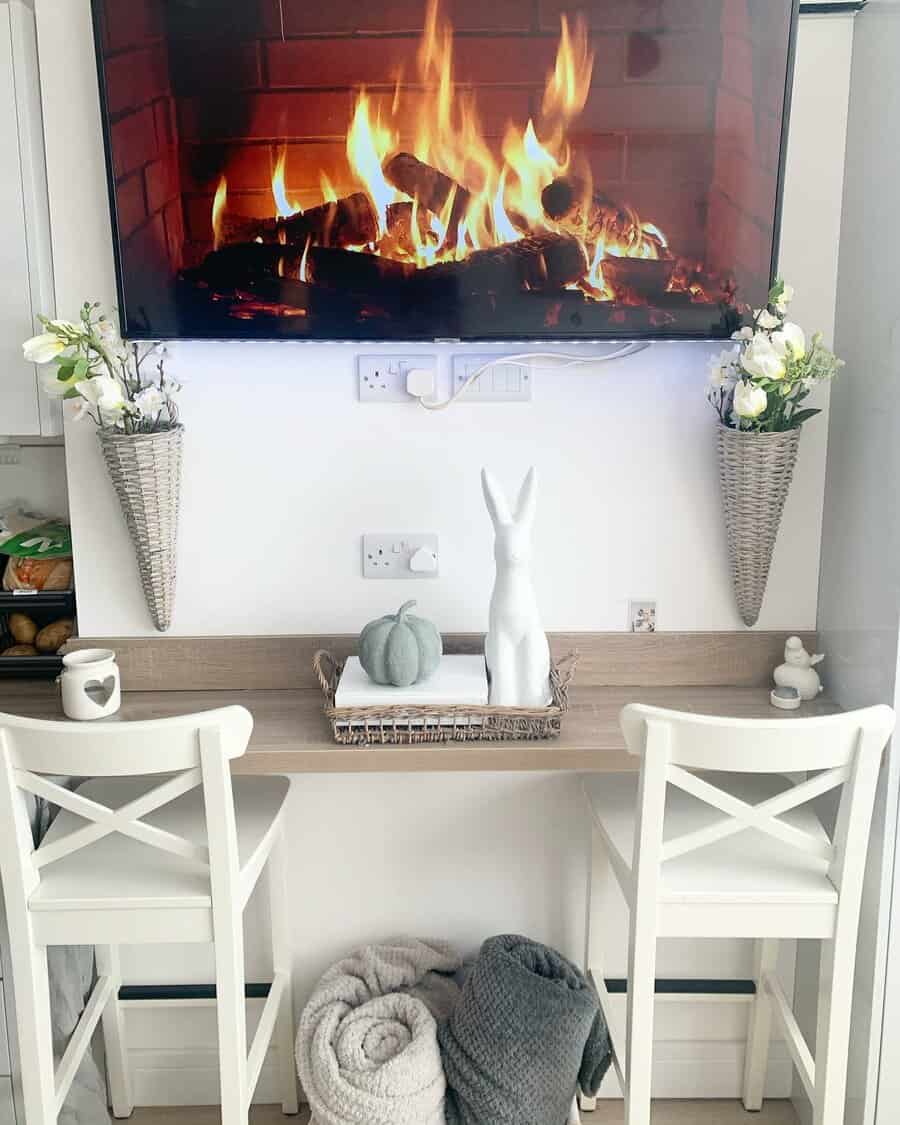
[(516, 647), (798, 670)]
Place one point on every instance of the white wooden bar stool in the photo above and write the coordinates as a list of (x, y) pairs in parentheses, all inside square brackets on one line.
[(133, 859), (738, 853)]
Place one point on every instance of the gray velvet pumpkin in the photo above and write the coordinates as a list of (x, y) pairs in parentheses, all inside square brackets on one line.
[(400, 649)]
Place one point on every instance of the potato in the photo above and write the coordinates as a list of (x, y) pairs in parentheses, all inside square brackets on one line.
[(22, 628), (53, 637), (20, 650)]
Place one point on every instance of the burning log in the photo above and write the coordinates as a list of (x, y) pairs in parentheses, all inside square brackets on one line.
[(399, 238), (593, 215), (234, 266), (350, 271), (350, 221), (638, 280), (542, 263), (431, 187)]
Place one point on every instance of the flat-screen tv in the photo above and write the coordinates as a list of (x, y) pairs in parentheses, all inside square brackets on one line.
[(443, 169)]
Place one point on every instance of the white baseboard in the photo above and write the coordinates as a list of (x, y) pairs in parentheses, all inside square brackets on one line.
[(688, 1069)]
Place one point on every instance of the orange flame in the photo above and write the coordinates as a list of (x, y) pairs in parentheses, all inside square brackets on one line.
[(284, 207), (368, 146), (569, 83), (218, 209)]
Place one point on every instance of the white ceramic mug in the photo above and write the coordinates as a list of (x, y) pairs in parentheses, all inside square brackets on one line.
[(91, 685)]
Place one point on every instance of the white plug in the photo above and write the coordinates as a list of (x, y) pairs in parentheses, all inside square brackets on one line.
[(420, 382)]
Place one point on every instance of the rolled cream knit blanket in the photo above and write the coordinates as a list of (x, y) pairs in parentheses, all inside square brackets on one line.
[(526, 1035), (367, 1051)]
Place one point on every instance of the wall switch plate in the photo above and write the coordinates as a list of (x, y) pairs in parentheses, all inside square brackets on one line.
[(10, 454), (504, 382), (642, 615), (400, 555), (382, 378)]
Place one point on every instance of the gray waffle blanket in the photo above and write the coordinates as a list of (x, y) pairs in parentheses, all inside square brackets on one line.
[(367, 1051), (525, 1035)]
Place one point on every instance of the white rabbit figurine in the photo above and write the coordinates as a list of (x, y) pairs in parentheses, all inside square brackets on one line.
[(516, 648)]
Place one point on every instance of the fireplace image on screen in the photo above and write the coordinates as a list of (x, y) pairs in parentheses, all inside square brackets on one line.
[(427, 169)]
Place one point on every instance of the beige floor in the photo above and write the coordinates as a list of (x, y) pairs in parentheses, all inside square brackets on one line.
[(607, 1113)]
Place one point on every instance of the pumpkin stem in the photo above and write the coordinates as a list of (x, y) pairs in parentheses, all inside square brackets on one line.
[(405, 608)]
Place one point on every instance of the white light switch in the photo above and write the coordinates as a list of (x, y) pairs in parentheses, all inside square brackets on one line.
[(502, 382)]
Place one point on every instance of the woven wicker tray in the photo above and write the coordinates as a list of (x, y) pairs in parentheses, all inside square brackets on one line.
[(410, 726)]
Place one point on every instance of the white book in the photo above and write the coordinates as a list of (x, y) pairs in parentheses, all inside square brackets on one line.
[(459, 680)]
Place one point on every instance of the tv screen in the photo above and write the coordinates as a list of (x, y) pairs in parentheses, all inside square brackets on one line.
[(430, 169)]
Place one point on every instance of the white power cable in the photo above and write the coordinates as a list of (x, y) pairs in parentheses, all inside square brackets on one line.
[(629, 349)]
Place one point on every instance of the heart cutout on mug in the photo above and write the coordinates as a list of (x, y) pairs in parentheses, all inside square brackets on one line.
[(100, 691)]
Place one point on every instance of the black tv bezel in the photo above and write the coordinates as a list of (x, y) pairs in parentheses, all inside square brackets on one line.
[(797, 8)]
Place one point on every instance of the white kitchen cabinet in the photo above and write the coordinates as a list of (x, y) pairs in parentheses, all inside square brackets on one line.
[(26, 275)]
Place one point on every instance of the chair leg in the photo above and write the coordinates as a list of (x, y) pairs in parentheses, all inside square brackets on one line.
[(597, 876), (117, 1075), (281, 963), (838, 963), (760, 1027), (639, 1026), (231, 1016), (32, 993)]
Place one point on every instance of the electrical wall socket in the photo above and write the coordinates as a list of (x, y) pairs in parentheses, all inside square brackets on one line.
[(400, 555), (642, 615), (382, 378), (503, 382), (10, 454)]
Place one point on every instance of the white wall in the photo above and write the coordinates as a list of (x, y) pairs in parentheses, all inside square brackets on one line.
[(284, 472), (859, 604)]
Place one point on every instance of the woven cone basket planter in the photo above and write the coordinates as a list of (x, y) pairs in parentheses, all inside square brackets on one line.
[(145, 470), (756, 472)]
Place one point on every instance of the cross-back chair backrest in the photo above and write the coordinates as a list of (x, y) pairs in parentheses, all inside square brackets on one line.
[(840, 751), (191, 750)]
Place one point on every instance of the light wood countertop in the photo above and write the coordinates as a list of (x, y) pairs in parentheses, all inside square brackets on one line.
[(291, 734)]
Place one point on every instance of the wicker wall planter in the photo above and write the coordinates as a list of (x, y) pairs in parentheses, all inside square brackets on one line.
[(145, 470), (756, 472)]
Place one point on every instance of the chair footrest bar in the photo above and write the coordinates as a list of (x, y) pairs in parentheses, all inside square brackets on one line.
[(793, 1036), (264, 1030)]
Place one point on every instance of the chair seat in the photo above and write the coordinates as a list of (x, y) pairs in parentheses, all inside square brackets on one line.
[(748, 867), (117, 872)]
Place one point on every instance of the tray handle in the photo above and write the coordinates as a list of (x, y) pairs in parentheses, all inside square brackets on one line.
[(565, 669), (327, 670)]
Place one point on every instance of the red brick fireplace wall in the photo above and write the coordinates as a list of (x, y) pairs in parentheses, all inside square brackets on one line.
[(144, 141)]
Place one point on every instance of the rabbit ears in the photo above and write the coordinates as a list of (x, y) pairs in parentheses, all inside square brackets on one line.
[(498, 507)]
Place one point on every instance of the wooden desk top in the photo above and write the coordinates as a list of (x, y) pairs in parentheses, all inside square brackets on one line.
[(291, 734)]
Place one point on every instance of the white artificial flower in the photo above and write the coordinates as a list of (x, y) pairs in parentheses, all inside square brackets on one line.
[(760, 359), (150, 401), (43, 348), (766, 320), (105, 393), (64, 326), (790, 336), (745, 333), (749, 401), (53, 386), (785, 299), (723, 368)]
